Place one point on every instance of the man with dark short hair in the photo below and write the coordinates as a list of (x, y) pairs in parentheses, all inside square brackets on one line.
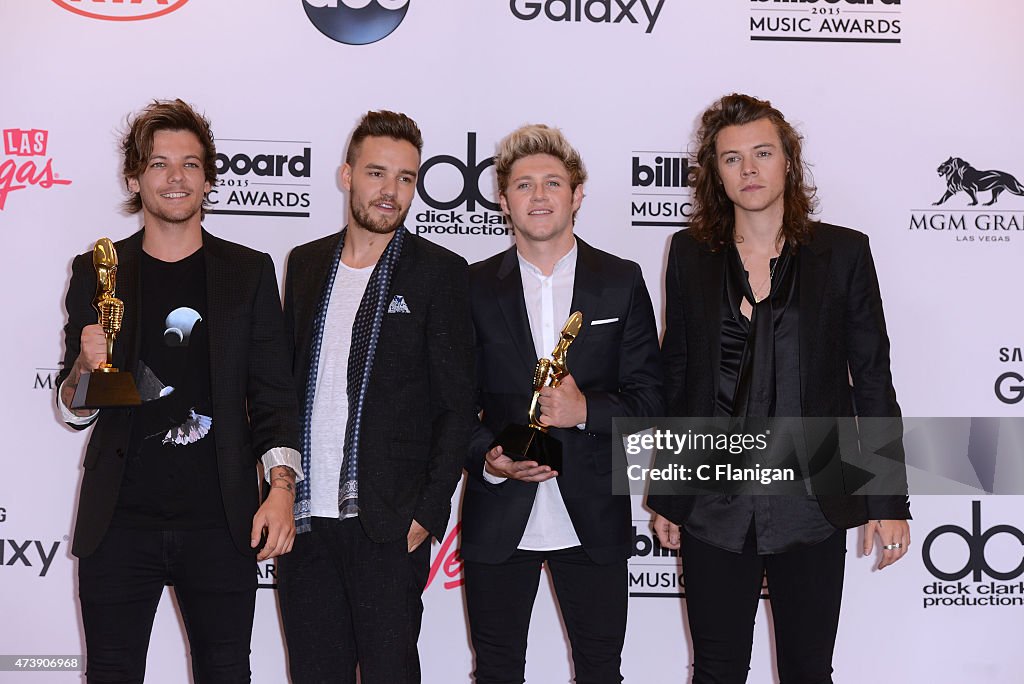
[(383, 356), (170, 492)]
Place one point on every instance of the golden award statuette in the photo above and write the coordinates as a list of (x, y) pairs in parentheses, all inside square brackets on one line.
[(532, 442), (106, 387)]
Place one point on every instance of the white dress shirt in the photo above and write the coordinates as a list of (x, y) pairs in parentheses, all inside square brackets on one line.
[(548, 304)]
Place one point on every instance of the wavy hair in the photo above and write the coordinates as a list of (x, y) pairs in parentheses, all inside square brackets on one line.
[(714, 219), (137, 143)]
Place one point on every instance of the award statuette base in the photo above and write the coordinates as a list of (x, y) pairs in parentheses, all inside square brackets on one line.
[(98, 390), (524, 443)]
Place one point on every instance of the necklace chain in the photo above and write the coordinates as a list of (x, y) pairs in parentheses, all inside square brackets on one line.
[(767, 281)]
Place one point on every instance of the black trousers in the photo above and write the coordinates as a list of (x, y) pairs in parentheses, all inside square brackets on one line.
[(348, 601), (119, 587), (805, 588), (592, 599)]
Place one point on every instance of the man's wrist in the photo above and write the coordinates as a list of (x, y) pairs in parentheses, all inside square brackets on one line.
[(283, 477), (290, 488), (282, 457)]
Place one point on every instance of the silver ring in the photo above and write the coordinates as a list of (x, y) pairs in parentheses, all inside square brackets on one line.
[(897, 545)]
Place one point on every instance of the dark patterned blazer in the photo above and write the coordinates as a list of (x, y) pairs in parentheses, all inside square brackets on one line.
[(252, 391), (417, 408), (842, 335)]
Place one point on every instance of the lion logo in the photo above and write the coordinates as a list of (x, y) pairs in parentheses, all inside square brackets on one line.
[(962, 176)]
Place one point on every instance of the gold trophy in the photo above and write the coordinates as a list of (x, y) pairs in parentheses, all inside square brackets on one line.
[(532, 442), (106, 387)]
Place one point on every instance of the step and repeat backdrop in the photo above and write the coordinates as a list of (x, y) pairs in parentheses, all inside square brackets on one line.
[(911, 112)]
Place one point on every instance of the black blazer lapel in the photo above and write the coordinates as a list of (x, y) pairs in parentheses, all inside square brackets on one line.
[(510, 300), (587, 289), (711, 279), (310, 284), (814, 263), (129, 290), (219, 283)]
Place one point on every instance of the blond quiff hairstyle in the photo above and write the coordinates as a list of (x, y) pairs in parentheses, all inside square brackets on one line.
[(537, 139)]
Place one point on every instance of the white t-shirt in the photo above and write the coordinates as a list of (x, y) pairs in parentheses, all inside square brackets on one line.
[(330, 403)]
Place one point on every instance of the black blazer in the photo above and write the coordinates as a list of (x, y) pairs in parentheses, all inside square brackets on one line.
[(252, 391), (417, 412), (615, 365), (841, 334)]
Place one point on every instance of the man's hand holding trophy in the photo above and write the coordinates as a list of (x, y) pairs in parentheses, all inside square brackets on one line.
[(97, 382), (528, 452)]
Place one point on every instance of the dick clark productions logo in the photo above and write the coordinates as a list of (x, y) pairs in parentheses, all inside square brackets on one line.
[(356, 22)]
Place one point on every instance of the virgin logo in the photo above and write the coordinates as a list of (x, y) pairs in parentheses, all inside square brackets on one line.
[(18, 174), (447, 561), (121, 10)]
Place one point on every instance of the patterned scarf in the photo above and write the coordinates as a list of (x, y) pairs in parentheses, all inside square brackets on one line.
[(365, 333)]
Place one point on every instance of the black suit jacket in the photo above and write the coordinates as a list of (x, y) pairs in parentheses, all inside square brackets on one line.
[(841, 335), (252, 391), (416, 419), (615, 365)]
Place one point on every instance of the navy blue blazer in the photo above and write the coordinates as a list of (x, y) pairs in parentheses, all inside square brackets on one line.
[(615, 365)]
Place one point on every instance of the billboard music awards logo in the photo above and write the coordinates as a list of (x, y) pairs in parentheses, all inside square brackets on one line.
[(262, 178), (965, 187), (642, 13), (654, 571), (826, 21), (1009, 387), (660, 195), (121, 10), (450, 186), (962, 562), (26, 165), (356, 22)]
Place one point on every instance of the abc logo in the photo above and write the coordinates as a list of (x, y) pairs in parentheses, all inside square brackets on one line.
[(976, 541), (356, 22)]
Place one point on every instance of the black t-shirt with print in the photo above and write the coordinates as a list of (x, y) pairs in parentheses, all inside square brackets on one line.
[(170, 479)]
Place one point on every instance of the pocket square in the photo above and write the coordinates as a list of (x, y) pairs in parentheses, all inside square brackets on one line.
[(398, 305), (604, 321)]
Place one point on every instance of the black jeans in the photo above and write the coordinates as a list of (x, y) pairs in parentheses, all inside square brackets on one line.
[(120, 584), (805, 588), (347, 600), (592, 599)]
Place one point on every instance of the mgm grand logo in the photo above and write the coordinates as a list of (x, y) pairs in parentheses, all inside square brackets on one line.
[(973, 225)]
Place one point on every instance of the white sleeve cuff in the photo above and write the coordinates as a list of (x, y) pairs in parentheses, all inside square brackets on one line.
[(69, 417), (282, 456), (493, 479)]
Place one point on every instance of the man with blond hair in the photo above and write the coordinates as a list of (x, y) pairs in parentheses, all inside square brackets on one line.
[(519, 514)]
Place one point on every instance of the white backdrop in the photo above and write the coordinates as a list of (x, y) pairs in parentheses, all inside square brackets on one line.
[(879, 117)]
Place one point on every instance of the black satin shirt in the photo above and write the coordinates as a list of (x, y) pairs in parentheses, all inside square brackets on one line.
[(759, 376)]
